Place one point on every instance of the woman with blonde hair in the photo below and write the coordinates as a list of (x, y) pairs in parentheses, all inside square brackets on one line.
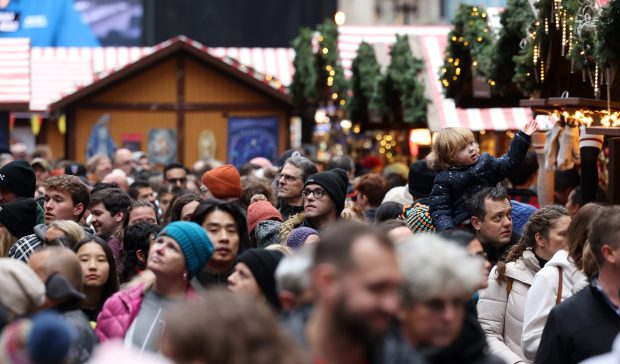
[(67, 228), (501, 304)]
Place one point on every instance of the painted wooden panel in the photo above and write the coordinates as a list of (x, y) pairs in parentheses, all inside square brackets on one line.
[(121, 122), (217, 123), (155, 84), (205, 84)]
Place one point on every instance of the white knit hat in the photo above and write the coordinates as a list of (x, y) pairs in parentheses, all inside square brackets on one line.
[(21, 290)]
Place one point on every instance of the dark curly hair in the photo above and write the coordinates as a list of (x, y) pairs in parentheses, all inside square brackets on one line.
[(137, 237)]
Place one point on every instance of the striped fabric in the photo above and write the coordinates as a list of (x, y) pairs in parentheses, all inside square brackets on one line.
[(429, 43), (14, 71)]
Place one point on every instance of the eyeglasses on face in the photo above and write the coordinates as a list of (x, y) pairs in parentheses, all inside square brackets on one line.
[(318, 193), (288, 177)]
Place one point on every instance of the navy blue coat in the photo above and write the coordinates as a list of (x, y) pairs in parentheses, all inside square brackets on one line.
[(454, 186)]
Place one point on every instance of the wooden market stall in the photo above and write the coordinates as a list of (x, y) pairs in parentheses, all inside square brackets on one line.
[(179, 102)]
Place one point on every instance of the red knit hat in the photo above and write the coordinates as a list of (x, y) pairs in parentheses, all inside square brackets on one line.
[(261, 211), (223, 182)]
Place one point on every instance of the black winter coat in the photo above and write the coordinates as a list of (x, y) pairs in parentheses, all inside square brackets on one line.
[(578, 328), (454, 186)]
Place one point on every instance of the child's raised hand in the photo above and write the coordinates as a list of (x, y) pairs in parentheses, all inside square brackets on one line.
[(530, 127)]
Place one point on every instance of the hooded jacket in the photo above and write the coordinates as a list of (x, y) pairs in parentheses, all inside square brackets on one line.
[(541, 297), (501, 313)]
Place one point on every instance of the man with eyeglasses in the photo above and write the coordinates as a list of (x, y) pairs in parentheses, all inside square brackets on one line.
[(324, 194), (175, 174), (291, 179)]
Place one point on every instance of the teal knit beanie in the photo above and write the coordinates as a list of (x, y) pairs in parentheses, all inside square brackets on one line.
[(194, 243)]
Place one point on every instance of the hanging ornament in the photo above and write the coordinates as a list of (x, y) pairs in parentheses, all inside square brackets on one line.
[(564, 26), (596, 84), (35, 123), (11, 121), (62, 124)]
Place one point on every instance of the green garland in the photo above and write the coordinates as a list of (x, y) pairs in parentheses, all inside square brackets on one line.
[(608, 27), (528, 62), (328, 62), (401, 88), (366, 74), (303, 86), (515, 20), (469, 47), (579, 41), (581, 49)]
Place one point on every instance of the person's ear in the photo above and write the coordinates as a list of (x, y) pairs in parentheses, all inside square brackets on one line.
[(78, 209), (119, 217), (475, 223), (539, 240), (324, 279), (609, 254), (140, 255), (287, 300)]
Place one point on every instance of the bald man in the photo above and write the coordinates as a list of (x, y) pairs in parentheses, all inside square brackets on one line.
[(60, 269), (119, 177), (123, 160)]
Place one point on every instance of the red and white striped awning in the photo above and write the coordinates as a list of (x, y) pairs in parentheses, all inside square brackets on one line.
[(14, 71), (429, 43), (45, 75), (57, 71)]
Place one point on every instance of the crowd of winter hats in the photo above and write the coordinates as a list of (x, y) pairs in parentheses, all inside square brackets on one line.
[(258, 231)]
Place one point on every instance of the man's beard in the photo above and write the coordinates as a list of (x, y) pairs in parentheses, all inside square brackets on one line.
[(356, 327)]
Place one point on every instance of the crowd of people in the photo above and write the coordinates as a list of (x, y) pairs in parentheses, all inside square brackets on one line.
[(449, 260)]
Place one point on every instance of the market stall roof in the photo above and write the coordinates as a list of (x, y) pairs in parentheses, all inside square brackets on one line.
[(428, 43), (14, 74), (266, 83), (57, 72)]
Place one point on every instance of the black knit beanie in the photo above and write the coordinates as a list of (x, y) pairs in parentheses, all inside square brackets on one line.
[(421, 179), (19, 216), (18, 177), (263, 264), (335, 182)]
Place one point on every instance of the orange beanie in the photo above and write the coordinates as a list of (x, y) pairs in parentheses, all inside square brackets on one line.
[(223, 182)]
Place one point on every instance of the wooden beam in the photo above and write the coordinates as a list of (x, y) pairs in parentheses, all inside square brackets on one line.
[(601, 130), (613, 185), (231, 107), (181, 108), (70, 135)]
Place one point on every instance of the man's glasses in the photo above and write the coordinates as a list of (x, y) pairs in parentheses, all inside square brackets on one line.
[(288, 177), (318, 193)]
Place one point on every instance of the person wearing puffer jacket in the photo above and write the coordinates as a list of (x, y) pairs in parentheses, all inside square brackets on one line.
[(135, 314), (560, 279), (501, 304)]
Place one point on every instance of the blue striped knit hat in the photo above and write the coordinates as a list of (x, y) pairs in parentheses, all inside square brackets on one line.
[(194, 242)]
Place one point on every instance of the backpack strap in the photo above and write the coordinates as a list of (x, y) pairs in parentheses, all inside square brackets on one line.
[(508, 286), (558, 298)]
